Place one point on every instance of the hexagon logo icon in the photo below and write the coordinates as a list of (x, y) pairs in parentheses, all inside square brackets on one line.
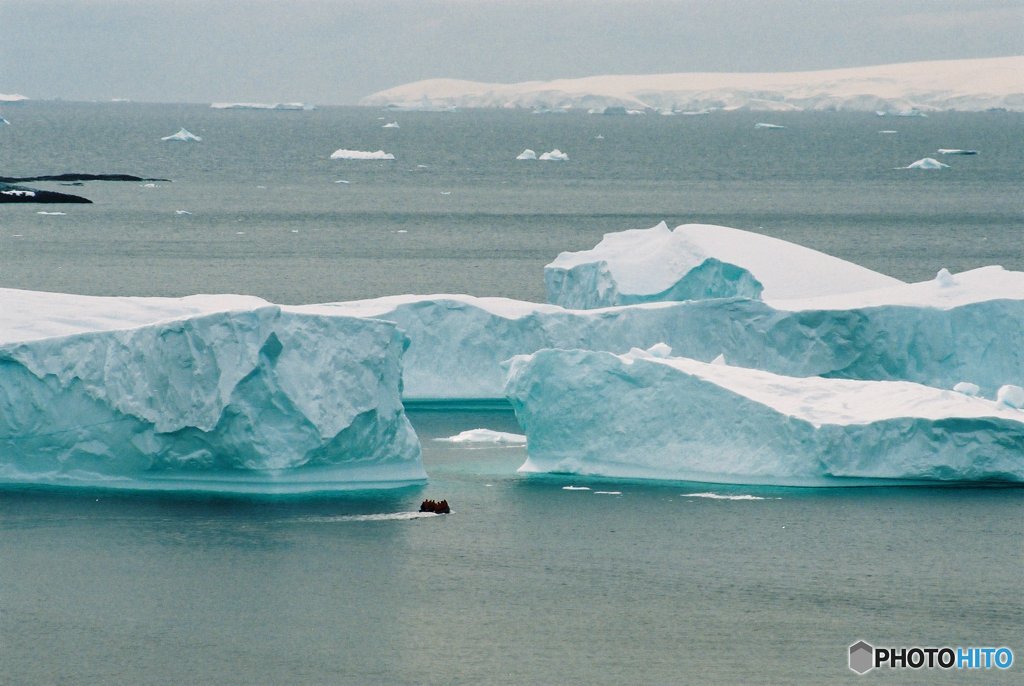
[(862, 657)]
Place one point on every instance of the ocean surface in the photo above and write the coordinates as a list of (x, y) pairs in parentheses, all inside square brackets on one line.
[(528, 581)]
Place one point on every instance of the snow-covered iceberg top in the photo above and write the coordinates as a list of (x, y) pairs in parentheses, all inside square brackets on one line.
[(527, 154), (344, 154), (644, 416), (926, 163), (289, 106), (182, 135), (968, 85), (696, 261), (222, 393)]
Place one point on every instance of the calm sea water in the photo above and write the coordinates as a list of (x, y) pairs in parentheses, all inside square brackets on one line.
[(527, 582)]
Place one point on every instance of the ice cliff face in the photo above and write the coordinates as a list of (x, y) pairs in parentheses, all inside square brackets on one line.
[(642, 416), (695, 262), (207, 393), (929, 333)]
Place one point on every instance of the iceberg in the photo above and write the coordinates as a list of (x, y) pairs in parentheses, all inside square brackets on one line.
[(555, 155), (343, 154), (926, 163), (697, 261), (956, 151), (765, 125), (642, 416), (906, 89), (182, 135), (280, 106), (485, 437), (12, 97), (217, 393), (971, 330), (391, 125), (527, 155)]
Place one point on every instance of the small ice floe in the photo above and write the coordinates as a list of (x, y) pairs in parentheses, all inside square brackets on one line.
[(345, 154), (967, 388), (147, 185), (382, 517), (721, 496), (766, 125), (527, 155), (239, 233), (182, 212), (888, 131), (1011, 396), (926, 163), (402, 231), (295, 230), (485, 436), (182, 135), (52, 214), (575, 488), (607, 492), (555, 155), (344, 181), (956, 151), (598, 137), (446, 192), (391, 125)]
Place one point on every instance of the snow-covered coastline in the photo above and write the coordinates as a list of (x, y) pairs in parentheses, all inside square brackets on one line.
[(964, 85)]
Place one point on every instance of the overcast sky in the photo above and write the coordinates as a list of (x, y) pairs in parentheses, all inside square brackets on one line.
[(336, 51)]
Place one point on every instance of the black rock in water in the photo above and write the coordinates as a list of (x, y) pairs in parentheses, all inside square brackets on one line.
[(76, 177)]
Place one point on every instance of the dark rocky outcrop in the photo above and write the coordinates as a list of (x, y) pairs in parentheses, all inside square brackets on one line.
[(12, 193), (76, 177)]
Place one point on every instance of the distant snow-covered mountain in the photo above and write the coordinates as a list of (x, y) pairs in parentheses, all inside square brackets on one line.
[(965, 85)]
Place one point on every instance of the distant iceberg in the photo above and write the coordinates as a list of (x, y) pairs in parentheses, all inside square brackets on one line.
[(956, 151), (182, 135), (765, 125), (221, 393), (555, 155), (926, 163), (11, 97), (641, 416), (486, 437), (908, 89), (391, 125), (343, 154), (527, 155), (286, 106), (697, 261)]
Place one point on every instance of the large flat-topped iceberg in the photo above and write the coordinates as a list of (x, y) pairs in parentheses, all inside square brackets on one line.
[(698, 261), (287, 106), (968, 85), (643, 416), (221, 393), (969, 327)]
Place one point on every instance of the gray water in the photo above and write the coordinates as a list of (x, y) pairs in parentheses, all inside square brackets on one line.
[(526, 582)]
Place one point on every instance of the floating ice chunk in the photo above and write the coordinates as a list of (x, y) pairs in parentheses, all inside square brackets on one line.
[(1011, 396), (721, 496), (224, 393), (967, 388), (182, 135), (698, 261), (766, 125), (486, 436), (607, 492), (575, 488), (555, 155), (390, 125), (52, 214), (182, 212), (345, 181), (599, 137), (343, 154), (888, 131), (527, 155), (599, 414), (955, 151), (926, 163)]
